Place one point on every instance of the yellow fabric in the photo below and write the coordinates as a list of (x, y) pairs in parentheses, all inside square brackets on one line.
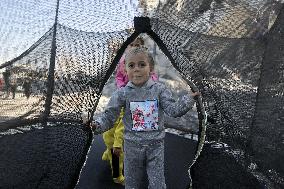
[(114, 138)]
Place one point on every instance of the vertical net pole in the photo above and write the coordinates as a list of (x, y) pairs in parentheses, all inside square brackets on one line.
[(50, 79)]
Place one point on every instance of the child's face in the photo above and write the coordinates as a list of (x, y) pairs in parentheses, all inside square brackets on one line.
[(138, 69), (135, 43)]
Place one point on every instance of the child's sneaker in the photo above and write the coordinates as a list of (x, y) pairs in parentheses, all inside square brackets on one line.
[(119, 180)]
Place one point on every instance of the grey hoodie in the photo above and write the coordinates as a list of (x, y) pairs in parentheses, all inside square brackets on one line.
[(144, 111)]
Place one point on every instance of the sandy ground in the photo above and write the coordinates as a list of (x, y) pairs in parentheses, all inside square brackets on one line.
[(20, 106)]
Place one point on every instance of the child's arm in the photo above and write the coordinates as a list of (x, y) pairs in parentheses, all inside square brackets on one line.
[(176, 108), (86, 121), (109, 116)]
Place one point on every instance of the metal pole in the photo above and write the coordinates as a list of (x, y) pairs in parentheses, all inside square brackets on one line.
[(50, 79)]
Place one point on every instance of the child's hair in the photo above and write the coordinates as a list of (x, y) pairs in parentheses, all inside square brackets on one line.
[(139, 40), (141, 49)]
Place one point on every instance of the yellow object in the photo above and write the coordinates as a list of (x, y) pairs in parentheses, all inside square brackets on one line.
[(119, 180), (114, 138)]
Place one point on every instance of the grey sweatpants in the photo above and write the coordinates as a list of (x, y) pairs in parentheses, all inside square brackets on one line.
[(139, 158)]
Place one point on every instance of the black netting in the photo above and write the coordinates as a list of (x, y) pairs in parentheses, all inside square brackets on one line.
[(79, 72), (266, 137), (56, 57), (40, 156), (24, 83)]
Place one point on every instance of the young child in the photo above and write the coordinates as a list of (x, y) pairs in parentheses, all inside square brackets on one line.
[(144, 102), (113, 138), (121, 78)]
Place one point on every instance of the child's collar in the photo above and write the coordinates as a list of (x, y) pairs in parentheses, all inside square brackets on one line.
[(148, 84)]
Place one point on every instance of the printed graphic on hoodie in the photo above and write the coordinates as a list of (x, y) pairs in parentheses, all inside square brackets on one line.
[(144, 115)]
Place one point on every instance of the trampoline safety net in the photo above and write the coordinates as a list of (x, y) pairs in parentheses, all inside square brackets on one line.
[(57, 55)]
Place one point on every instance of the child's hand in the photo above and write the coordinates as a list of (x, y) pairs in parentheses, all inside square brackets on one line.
[(86, 118), (195, 94), (117, 151)]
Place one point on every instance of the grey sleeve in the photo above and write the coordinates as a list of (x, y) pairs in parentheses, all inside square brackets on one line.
[(175, 107), (111, 113)]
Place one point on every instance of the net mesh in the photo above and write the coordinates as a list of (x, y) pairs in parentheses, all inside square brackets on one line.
[(56, 57)]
